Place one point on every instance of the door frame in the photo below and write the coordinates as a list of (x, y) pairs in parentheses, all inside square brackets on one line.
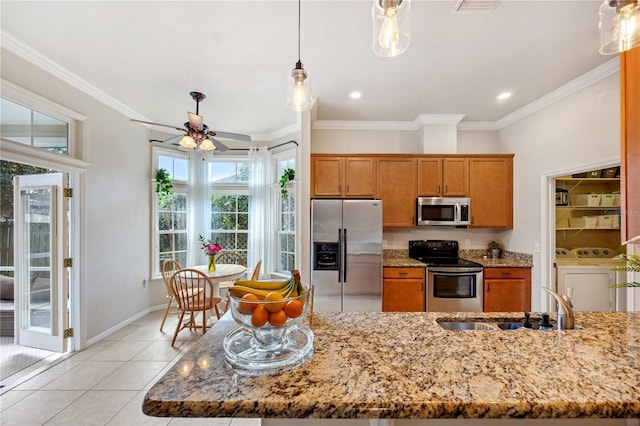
[(12, 151), (548, 216)]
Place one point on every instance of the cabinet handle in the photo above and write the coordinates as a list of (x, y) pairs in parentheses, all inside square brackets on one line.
[(505, 274), (402, 272), (446, 189), (438, 191), (488, 287), (347, 188)]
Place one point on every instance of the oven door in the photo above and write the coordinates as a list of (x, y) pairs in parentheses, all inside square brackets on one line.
[(453, 289)]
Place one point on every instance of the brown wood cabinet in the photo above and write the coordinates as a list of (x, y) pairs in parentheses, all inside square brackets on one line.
[(443, 177), (507, 289), (396, 187), (630, 142), (491, 191), (403, 289), (338, 176)]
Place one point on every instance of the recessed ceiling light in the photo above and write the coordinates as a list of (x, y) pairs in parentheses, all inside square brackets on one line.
[(355, 94), (504, 95)]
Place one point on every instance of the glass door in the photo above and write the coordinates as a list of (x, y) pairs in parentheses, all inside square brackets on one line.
[(41, 245)]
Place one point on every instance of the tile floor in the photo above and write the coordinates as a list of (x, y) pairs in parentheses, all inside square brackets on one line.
[(105, 383)]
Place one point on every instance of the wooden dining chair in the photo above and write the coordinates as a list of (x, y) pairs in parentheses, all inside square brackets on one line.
[(169, 267), (229, 258), (193, 291)]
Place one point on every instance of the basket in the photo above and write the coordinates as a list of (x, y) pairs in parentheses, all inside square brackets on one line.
[(593, 200)]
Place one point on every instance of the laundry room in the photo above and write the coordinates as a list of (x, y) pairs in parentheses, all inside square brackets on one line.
[(588, 239)]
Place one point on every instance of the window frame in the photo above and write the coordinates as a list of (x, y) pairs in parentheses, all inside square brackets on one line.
[(179, 186)]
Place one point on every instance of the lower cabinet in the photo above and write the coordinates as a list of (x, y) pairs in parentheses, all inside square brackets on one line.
[(507, 289), (403, 289)]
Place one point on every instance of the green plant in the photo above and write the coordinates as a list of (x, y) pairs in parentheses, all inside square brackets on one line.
[(163, 184), (287, 175), (495, 245), (633, 265)]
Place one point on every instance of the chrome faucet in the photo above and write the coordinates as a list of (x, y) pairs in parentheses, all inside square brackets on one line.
[(565, 310)]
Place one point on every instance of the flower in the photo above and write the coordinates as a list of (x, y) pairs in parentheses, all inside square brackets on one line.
[(633, 265), (210, 247)]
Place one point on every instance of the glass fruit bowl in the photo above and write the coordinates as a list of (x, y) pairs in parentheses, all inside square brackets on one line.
[(272, 334)]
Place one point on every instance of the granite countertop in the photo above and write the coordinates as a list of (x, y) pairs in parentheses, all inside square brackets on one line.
[(402, 262), (404, 365)]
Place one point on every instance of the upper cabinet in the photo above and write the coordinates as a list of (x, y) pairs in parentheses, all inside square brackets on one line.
[(630, 142), (443, 177), (342, 176), (396, 187), (398, 179), (491, 191)]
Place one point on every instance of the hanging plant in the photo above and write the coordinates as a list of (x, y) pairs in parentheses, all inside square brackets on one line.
[(163, 184), (287, 175)]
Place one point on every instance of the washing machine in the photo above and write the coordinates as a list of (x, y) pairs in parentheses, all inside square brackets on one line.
[(584, 274)]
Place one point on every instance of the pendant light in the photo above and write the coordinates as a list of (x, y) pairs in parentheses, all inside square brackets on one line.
[(299, 87), (619, 26), (390, 27)]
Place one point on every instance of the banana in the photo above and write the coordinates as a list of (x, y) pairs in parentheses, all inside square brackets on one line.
[(263, 285), (238, 290)]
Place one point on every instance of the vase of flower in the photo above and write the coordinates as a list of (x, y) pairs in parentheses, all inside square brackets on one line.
[(211, 249)]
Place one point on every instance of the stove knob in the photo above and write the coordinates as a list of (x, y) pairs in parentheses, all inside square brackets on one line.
[(596, 252)]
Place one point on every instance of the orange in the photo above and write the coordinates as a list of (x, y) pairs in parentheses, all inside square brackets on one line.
[(260, 316), (277, 318), (274, 305), (293, 308), (247, 307)]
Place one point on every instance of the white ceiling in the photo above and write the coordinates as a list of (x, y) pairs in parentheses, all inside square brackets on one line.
[(147, 56)]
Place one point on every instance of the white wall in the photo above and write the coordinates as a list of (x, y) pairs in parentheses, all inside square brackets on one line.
[(118, 187), (581, 129)]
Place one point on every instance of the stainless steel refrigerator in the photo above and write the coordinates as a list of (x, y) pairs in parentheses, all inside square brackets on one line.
[(346, 250)]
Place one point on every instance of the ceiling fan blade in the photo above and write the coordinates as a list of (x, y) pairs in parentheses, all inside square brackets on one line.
[(157, 124), (219, 145), (227, 135), (174, 140)]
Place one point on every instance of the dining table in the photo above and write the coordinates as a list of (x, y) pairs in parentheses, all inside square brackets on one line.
[(223, 272)]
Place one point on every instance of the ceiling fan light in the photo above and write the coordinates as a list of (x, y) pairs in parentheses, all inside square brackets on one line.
[(188, 142), (391, 34), (619, 26), (207, 145), (299, 89)]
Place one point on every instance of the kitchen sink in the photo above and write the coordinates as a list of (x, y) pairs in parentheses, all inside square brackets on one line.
[(500, 324), (468, 326)]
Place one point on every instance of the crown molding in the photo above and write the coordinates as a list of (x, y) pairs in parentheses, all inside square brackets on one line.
[(562, 92), (364, 125), (426, 119), (478, 125), (24, 51)]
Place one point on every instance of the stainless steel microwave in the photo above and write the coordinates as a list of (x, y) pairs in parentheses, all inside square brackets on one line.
[(443, 211)]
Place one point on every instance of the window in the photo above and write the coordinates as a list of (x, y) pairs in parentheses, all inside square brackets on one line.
[(286, 227), (29, 127), (171, 231), (229, 223)]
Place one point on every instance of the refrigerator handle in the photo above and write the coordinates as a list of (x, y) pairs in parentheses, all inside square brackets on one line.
[(340, 263), (344, 256)]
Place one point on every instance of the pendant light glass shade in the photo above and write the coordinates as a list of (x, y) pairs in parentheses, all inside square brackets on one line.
[(619, 26), (299, 86), (299, 89), (391, 34)]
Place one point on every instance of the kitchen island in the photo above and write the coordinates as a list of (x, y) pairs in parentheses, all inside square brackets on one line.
[(405, 365)]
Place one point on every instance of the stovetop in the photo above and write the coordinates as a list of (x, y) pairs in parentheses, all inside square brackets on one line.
[(438, 253)]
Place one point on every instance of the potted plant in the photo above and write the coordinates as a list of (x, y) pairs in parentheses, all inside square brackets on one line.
[(288, 175), (163, 184), (495, 248), (633, 265)]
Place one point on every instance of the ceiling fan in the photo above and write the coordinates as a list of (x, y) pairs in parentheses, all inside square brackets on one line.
[(196, 133)]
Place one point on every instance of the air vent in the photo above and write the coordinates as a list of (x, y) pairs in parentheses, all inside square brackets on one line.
[(476, 6)]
